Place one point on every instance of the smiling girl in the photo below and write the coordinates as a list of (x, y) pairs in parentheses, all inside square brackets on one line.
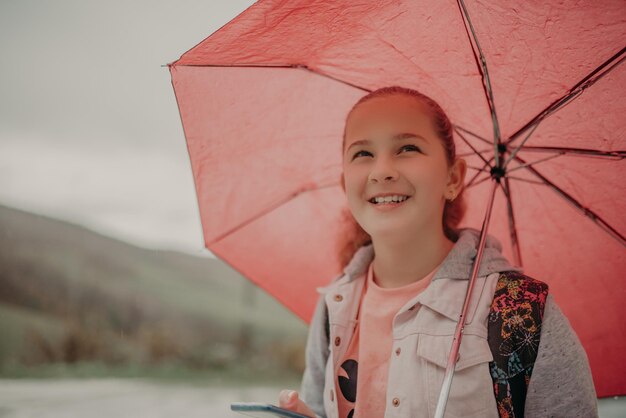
[(382, 330)]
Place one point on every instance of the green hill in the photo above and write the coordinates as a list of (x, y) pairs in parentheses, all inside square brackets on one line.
[(69, 295)]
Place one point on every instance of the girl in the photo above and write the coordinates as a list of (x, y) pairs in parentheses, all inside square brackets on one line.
[(379, 338)]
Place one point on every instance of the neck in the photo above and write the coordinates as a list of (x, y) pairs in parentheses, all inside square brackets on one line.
[(399, 261)]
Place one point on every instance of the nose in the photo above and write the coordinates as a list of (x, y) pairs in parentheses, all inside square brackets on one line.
[(382, 170)]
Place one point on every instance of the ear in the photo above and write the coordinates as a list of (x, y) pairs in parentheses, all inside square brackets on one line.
[(456, 176)]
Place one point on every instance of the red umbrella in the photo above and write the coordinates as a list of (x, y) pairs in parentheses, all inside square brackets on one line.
[(534, 89)]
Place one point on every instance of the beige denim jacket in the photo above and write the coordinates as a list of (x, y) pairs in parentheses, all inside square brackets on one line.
[(422, 337)]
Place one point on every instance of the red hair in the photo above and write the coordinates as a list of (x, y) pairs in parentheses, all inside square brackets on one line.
[(354, 237)]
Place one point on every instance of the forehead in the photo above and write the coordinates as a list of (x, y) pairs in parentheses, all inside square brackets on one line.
[(382, 115)]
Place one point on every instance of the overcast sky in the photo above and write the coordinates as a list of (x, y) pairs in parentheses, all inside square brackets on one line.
[(89, 128)]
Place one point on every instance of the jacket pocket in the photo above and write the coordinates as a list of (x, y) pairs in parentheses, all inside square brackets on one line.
[(471, 394)]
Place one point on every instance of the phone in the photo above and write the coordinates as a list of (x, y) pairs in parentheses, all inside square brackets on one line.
[(264, 410)]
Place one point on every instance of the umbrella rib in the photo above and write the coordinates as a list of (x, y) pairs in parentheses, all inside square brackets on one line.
[(506, 188), (526, 180), (307, 68), (535, 162), (478, 182), (478, 173), (467, 131), (270, 209), (470, 183), (235, 65), (471, 146), (465, 154), (574, 92), (578, 206), (612, 155), (516, 150), (482, 67), (287, 66), (477, 168)]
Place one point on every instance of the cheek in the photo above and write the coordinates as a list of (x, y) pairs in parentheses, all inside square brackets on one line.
[(431, 180), (353, 179), (436, 190), (433, 186), (355, 189)]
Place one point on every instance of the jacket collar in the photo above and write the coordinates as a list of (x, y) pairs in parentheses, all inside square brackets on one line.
[(456, 265), (441, 295)]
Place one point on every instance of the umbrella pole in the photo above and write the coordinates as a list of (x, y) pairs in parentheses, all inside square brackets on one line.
[(458, 333)]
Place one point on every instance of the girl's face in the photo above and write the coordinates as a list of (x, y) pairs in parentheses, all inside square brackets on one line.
[(391, 148)]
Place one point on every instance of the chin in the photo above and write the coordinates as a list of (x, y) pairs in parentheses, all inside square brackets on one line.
[(389, 230)]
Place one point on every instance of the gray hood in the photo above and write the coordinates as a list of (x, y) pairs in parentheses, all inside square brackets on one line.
[(458, 262)]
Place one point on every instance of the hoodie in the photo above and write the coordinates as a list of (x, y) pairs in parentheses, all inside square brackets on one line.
[(561, 383)]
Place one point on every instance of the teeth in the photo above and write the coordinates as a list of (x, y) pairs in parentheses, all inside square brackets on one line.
[(389, 199)]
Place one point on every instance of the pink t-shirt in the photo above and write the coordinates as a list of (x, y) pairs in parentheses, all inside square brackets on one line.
[(364, 368)]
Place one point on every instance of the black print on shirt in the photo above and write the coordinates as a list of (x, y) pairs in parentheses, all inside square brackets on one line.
[(348, 384)]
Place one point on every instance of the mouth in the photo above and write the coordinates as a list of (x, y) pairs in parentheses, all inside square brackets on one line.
[(392, 200)]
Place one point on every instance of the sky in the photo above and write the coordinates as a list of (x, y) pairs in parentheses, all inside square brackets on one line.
[(89, 128)]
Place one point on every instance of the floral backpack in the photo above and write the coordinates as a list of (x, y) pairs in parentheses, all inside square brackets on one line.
[(514, 330)]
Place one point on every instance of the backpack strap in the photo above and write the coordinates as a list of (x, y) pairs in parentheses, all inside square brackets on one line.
[(514, 330)]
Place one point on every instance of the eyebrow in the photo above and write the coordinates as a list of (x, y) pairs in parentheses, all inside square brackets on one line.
[(396, 137)]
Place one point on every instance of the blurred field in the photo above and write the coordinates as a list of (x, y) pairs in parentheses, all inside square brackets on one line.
[(95, 327), (73, 302), (125, 398), (142, 398)]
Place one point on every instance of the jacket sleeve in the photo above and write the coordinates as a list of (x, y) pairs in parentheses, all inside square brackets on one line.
[(561, 384), (317, 352)]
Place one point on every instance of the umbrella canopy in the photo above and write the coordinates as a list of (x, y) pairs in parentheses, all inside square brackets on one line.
[(263, 102)]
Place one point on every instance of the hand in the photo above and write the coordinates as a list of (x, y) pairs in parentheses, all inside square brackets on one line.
[(289, 399)]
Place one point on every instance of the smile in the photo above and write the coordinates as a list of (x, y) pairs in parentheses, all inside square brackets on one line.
[(388, 200)]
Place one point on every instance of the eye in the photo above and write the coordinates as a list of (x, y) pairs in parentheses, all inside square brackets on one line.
[(411, 148), (356, 154)]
